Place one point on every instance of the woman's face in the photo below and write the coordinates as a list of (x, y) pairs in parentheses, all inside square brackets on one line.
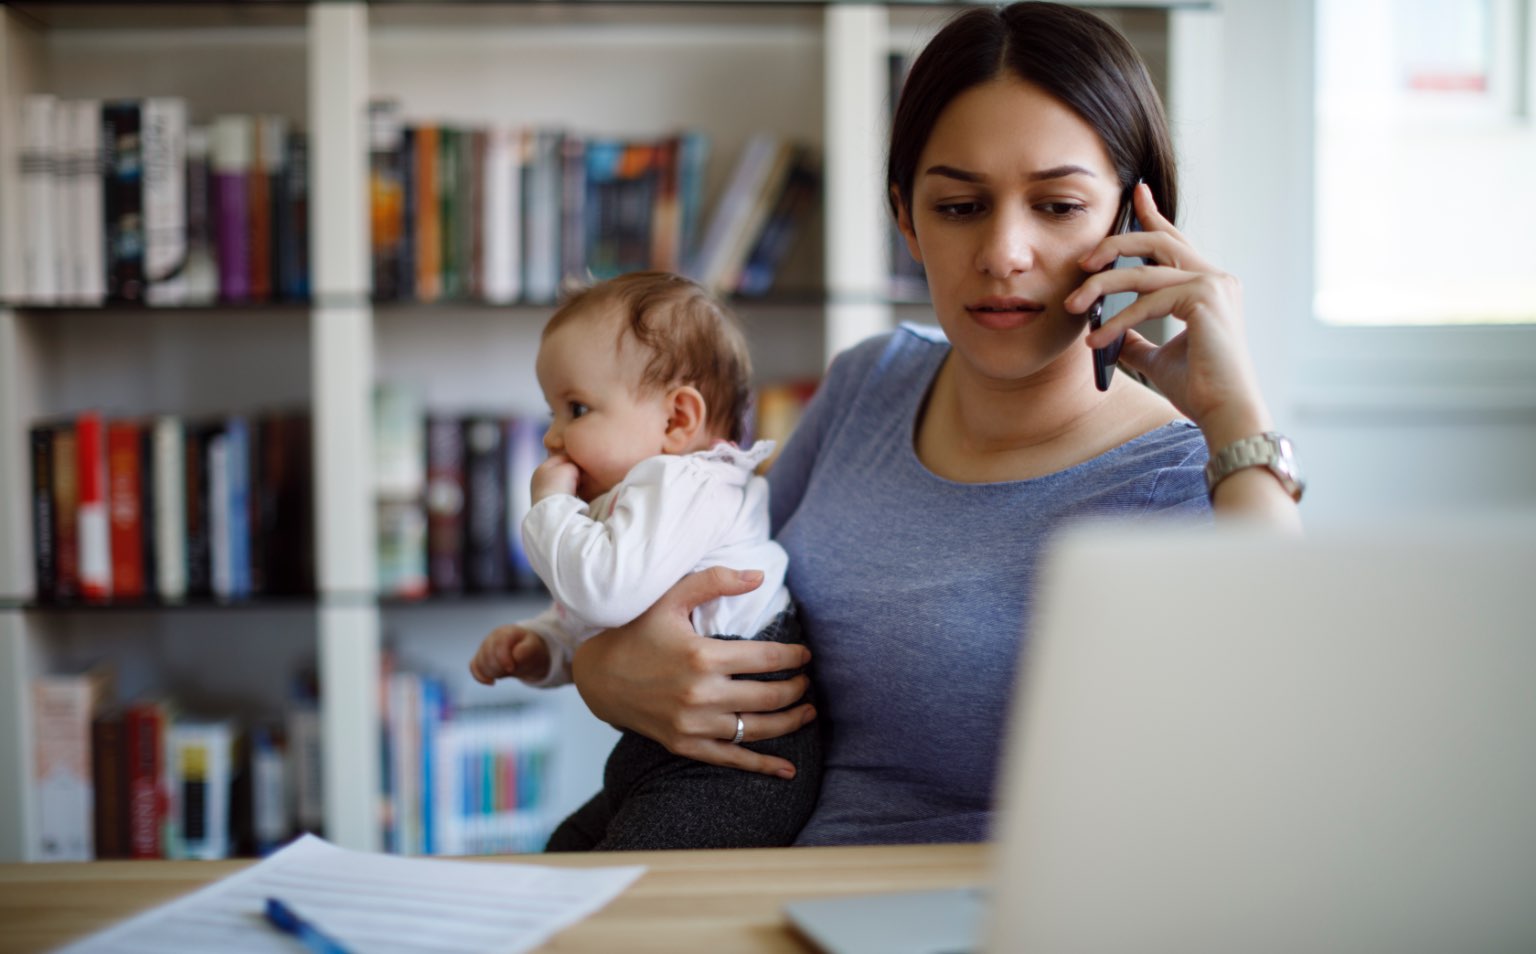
[(1011, 190)]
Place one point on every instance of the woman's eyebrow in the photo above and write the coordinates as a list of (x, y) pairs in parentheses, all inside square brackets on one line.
[(1042, 175)]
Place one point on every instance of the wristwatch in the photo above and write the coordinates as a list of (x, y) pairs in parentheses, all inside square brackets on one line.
[(1269, 449)]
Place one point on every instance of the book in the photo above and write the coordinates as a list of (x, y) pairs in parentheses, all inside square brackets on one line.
[(202, 270), (109, 783), (399, 448), (756, 219), (62, 709), (164, 144), (667, 209), (199, 759), (45, 553), (474, 216), (572, 192), (284, 518), (123, 199), (91, 519), (445, 504), (401, 528), (198, 528), (386, 197), (230, 163), (66, 511), (291, 215), (731, 226), (485, 504), (268, 142), (125, 490), (144, 726), (85, 177), (305, 765), (449, 212), (503, 261), (410, 201), (170, 517), (65, 221), (792, 207), (148, 551), (692, 158), (40, 267), (525, 451), (220, 512), (238, 440), (541, 217), (259, 799), (427, 221)]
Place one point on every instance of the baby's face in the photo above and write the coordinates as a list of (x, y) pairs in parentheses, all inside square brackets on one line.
[(599, 418)]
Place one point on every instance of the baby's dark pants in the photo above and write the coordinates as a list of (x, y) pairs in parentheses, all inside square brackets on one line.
[(652, 799)]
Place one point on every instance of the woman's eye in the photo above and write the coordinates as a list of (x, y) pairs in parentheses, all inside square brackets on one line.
[(578, 409), (958, 210), (1062, 210)]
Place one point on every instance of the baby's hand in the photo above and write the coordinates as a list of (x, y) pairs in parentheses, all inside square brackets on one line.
[(557, 475), (510, 651)]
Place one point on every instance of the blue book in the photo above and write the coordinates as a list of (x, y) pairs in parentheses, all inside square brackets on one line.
[(237, 435)]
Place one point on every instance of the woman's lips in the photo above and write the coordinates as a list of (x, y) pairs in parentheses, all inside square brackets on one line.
[(1004, 314)]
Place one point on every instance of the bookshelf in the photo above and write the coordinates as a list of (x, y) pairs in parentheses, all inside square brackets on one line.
[(812, 71)]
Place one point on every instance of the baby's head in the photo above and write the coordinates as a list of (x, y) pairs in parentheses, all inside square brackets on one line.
[(644, 364)]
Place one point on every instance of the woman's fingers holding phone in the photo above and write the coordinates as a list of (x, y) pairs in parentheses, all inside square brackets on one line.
[(1140, 279)]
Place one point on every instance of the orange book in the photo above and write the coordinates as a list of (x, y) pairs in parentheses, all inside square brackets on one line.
[(125, 491), (429, 235)]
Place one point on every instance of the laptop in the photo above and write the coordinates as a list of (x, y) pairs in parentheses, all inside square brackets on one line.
[(1233, 741)]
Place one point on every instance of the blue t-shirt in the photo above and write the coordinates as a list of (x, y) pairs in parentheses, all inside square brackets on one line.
[(916, 590)]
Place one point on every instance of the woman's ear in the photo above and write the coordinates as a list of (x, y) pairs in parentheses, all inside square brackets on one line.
[(904, 223), (685, 420)]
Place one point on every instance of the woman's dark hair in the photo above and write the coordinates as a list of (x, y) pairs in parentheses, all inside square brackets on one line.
[(1071, 54)]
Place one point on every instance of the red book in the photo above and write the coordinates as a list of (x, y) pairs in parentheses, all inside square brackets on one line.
[(144, 726), (125, 494), (91, 519)]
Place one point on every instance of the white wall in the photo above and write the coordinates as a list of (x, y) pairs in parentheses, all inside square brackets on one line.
[(1397, 423)]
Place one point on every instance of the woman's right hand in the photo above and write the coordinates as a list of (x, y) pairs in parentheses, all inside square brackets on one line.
[(658, 677)]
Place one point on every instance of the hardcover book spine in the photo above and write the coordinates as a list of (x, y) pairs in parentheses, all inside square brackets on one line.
[(222, 575), (148, 546), (294, 251), (450, 184), (92, 520), (485, 504), (125, 519), (66, 174), (202, 271), (170, 533), (410, 201), (231, 167), (198, 531), (66, 511), (445, 505), (267, 158), (429, 237), (164, 144), (110, 780), (525, 451), (573, 200), (39, 250), (386, 199), (144, 728), (91, 283), (238, 448), (123, 191), (44, 550), (502, 265), (541, 235)]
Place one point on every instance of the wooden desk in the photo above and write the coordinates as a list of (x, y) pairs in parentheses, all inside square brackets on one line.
[(725, 901)]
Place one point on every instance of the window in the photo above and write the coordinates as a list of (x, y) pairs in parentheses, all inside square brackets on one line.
[(1425, 147)]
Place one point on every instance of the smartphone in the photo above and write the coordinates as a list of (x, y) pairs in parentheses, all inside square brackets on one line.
[(1108, 306)]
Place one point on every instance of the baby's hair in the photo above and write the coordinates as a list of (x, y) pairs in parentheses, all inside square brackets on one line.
[(692, 339)]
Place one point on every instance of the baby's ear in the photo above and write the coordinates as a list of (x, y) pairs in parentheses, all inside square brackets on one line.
[(685, 420)]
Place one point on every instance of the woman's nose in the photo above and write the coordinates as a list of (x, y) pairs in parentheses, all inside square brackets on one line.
[(1007, 245)]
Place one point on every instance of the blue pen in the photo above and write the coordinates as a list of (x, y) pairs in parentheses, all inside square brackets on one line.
[(284, 919)]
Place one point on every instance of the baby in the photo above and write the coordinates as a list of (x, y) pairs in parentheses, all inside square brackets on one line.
[(646, 377)]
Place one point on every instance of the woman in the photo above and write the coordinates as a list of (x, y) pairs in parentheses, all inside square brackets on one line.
[(929, 474)]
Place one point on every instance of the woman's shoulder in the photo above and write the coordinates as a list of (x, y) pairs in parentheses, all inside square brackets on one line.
[(907, 349)]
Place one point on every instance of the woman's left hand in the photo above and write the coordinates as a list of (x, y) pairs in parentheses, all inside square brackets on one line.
[(1204, 369)]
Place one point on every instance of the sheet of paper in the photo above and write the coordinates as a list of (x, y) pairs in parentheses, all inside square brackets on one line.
[(372, 903)]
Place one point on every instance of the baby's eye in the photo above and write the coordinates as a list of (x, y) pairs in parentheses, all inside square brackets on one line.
[(578, 409)]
